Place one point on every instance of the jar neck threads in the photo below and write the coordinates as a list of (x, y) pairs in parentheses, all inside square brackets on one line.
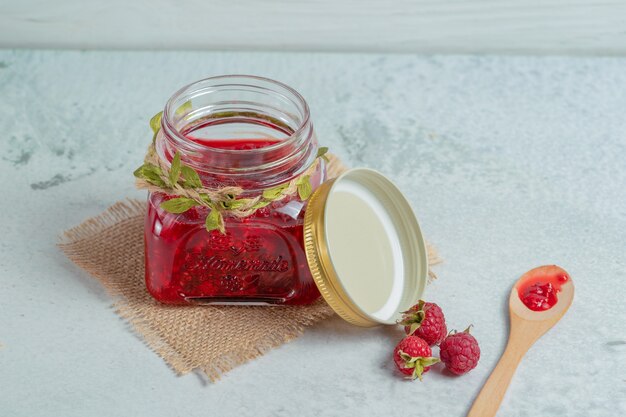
[(201, 117)]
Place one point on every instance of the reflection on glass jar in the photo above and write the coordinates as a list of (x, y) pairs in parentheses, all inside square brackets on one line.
[(240, 131)]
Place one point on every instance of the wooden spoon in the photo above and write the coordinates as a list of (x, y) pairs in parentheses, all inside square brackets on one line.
[(526, 327)]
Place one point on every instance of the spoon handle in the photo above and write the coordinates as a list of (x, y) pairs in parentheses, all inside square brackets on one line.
[(490, 397)]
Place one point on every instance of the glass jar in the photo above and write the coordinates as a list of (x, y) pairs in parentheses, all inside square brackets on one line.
[(243, 131)]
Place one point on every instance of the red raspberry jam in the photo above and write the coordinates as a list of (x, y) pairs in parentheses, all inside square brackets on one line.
[(260, 259), (539, 293)]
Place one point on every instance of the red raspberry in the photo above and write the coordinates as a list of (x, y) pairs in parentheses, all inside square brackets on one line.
[(460, 352), (413, 357), (425, 320)]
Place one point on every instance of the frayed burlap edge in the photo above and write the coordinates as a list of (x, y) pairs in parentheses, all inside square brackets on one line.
[(117, 215)]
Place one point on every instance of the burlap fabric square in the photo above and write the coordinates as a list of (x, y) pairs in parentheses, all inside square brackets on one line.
[(208, 338)]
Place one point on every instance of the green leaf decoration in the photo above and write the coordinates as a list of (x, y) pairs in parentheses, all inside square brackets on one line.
[(150, 173), (206, 199), (261, 204), (186, 106), (155, 122), (180, 174), (231, 205), (192, 179), (245, 201), (304, 187), (214, 221), (178, 205), (140, 172), (321, 153), (175, 169), (274, 193), (235, 204)]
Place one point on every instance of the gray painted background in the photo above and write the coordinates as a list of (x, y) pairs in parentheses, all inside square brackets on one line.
[(509, 163)]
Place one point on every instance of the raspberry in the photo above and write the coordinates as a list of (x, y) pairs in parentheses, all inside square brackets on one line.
[(425, 320), (413, 357), (460, 352)]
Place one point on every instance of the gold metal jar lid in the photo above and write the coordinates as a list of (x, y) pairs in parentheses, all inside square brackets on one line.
[(365, 248)]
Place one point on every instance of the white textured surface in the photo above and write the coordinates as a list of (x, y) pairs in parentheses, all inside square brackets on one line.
[(509, 26), (510, 163)]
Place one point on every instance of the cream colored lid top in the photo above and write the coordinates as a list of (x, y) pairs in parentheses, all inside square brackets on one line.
[(365, 248)]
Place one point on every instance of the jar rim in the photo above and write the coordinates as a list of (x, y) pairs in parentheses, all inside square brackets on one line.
[(170, 109)]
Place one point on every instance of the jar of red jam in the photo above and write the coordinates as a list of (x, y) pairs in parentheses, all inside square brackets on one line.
[(247, 132)]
